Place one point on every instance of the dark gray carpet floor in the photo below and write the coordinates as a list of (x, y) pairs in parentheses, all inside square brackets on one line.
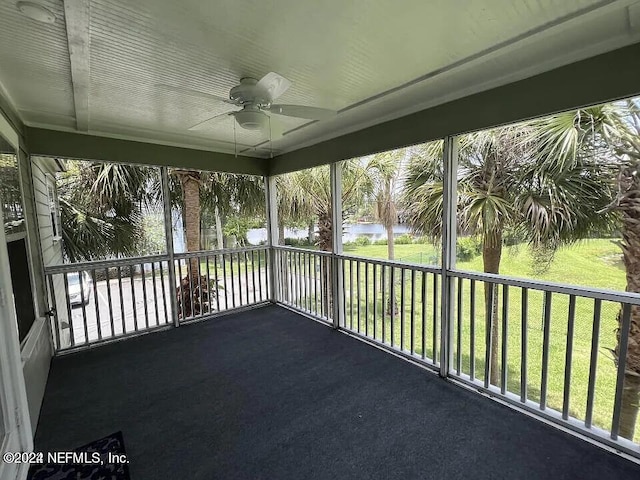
[(268, 394)]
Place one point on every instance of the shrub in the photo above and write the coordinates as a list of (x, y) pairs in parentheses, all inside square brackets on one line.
[(362, 241), (468, 248), (403, 239), (298, 242), (382, 241)]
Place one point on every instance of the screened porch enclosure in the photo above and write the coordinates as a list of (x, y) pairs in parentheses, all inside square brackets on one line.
[(438, 317)]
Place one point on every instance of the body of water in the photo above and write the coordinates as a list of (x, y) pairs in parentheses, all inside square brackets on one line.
[(374, 231)]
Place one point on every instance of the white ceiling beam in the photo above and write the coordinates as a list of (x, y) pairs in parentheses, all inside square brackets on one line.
[(76, 13)]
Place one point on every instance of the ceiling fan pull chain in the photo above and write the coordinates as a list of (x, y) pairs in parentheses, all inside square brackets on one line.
[(235, 141), (270, 139)]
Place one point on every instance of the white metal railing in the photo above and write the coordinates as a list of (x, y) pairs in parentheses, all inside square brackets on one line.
[(93, 302), (228, 279), (544, 347), (304, 281)]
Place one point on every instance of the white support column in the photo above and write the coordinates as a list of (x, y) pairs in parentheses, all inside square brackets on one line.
[(449, 226), (168, 232), (336, 229), (272, 235)]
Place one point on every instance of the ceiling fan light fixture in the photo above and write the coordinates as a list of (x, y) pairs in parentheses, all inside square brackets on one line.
[(251, 119), (36, 12)]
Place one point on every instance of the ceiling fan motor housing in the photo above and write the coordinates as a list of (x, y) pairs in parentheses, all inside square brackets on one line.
[(247, 93)]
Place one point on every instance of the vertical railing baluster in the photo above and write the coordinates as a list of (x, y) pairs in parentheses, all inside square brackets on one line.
[(215, 279), (402, 316), (375, 301), (568, 359), (246, 279), (155, 292), (164, 293), (459, 328), (253, 276), (72, 337), (190, 278), (96, 301), (315, 283), (233, 276), (623, 345), (121, 298), (545, 350), (144, 296), (351, 294), (84, 307), (358, 294), (383, 313), (424, 314), (472, 330), (198, 286), (505, 324), (489, 328), (524, 346), (435, 319), (110, 304), (260, 255), (181, 291), (310, 286), (392, 303), (412, 311), (593, 362), (366, 299), (208, 280)]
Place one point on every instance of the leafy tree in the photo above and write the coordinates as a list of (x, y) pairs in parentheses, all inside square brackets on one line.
[(502, 185), (101, 208), (609, 133)]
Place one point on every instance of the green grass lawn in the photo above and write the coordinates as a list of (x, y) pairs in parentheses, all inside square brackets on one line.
[(591, 263)]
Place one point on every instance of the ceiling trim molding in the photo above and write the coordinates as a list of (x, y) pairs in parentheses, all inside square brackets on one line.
[(598, 79), (76, 15), (55, 143)]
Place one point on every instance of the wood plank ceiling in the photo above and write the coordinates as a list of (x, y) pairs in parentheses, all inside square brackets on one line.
[(101, 66)]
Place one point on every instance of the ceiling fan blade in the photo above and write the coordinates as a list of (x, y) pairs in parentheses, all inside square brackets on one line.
[(273, 84), (193, 93), (215, 118), (299, 111)]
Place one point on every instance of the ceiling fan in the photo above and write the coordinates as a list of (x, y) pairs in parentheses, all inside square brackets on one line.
[(255, 98)]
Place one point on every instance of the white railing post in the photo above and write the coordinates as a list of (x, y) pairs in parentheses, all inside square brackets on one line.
[(168, 232), (336, 229), (271, 202), (449, 224)]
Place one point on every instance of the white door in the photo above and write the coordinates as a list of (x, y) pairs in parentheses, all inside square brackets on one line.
[(15, 427)]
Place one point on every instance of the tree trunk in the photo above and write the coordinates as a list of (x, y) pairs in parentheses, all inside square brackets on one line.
[(491, 254), (325, 243), (390, 242), (629, 206), (392, 304), (310, 233), (193, 286), (219, 229), (281, 233)]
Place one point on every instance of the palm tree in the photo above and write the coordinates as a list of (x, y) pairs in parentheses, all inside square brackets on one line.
[(294, 206), (101, 207), (387, 167), (314, 184), (611, 133), (501, 186)]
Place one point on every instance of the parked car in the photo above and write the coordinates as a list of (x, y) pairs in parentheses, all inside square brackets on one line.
[(75, 292)]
